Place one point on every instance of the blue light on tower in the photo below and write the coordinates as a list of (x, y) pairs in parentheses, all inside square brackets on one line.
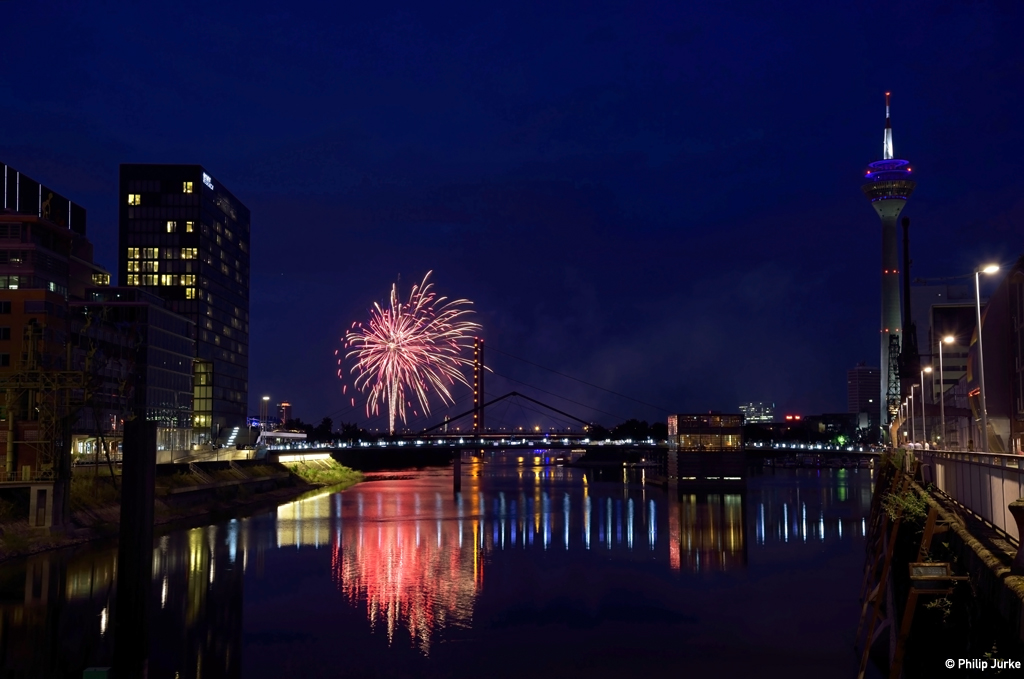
[(888, 186)]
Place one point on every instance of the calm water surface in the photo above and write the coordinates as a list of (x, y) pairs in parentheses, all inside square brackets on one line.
[(531, 571)]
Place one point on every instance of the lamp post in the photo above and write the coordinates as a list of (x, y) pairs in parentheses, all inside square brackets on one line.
[(910, 407), (264, 404), (990, 269), (924, 426), (903, 419), (948, 339)]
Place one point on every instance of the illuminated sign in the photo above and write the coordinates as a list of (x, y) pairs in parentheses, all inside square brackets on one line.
[(207, 180)]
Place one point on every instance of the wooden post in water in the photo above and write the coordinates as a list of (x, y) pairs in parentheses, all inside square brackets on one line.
[(135, 550)]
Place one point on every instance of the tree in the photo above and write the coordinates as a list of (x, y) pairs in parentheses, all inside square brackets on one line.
[(323, 431), (632, 429), (298, 425), (659, 431), (352, 431)]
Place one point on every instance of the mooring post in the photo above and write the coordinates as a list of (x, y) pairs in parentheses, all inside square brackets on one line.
[(1017, 509), (135, 549)]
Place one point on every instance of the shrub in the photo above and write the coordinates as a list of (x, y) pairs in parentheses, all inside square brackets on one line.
[(913, 506)]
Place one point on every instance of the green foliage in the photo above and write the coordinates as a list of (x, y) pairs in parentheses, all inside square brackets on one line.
[(911, 505), (943, 606), (92, 493), (994, 654), (329, 473)]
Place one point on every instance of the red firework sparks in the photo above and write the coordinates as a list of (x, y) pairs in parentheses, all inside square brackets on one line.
[(407, 347)]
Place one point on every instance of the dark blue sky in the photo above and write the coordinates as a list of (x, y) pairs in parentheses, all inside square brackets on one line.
[(662, 199)]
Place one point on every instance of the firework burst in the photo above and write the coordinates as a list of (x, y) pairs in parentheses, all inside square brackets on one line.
[(407, 348)]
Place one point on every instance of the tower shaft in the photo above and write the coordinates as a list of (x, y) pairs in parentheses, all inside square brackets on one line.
[(889, 212), (888, 186)]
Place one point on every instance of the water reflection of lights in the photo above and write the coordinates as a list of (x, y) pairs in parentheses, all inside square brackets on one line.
[(710, 530), (419, 565), (421, 586), (417, 561)]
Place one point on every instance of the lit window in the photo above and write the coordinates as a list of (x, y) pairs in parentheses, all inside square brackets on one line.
[(151, 253), (133, 265), (167, 279), (101, 279), (190, 293), (133, 253), (150, 279), (172, 227), (190, 227), (186, 187), (188, 279), (133, 279), (134, 199), (150, 266), (189, 253)]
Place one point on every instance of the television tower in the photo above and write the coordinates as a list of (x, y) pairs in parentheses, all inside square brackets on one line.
[(887, 184)]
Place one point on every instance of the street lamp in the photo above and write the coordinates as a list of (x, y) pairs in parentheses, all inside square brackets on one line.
[(910, 407), (906, 416), (948, 339), (990, 269), (924, 426), (264, 404)]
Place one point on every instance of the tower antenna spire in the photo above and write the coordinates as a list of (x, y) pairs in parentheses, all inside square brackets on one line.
[(887, 142), (888, 185)]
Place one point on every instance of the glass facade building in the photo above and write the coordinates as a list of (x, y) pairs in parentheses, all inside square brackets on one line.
[(756, 412), (706, 448), (141, 356), (705, 432), (185, 238)]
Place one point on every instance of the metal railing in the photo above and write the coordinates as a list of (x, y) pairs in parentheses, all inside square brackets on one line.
[(199, 473), (27, 475), (985, 483)]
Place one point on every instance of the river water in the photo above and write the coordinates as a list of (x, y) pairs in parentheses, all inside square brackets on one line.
[(531, 571)]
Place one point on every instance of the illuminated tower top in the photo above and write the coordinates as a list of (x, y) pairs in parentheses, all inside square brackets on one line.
[(889, 178), (887, 141)]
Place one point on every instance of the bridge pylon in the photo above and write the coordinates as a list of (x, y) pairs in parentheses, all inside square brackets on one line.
[(478, 386)]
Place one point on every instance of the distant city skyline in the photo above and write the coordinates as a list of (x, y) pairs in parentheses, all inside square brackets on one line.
[(672, 213)]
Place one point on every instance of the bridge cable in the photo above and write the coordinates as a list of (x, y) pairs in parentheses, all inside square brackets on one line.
[(564, 398), (491, 347), (567, 423)]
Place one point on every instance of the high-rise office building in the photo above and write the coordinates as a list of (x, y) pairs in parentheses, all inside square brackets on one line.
[(887, 184), (141, 357), (862, 395), (45, 259), (944, 311), (758, 412), (185, 238)]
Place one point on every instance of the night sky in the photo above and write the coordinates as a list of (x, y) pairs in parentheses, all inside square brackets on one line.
[(661, 199)]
